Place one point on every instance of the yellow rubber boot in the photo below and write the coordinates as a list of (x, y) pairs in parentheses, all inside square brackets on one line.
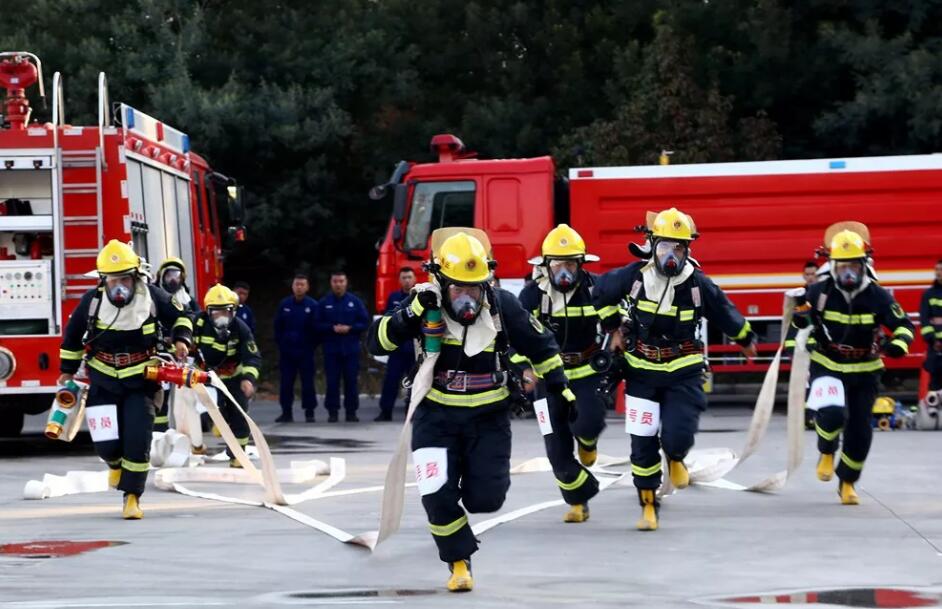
[(216, 432), (198, 450), (825, 467), (460, 580), (132, 507), (234, 463), (648, 521), (847, 493), (678, 474), (587, 454), (577, 513), (114, 477)]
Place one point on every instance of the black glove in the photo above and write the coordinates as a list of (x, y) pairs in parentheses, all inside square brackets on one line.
[(428, 300), (894, 350)]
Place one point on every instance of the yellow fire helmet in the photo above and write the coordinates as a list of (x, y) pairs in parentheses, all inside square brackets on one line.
[(563, 242), (219, 296), (848, 245), (673, 224), (169, 262), (884, 405), (463, 259), (117, 258)]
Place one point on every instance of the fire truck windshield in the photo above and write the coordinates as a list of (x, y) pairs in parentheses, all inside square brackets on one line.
[(438, 204)]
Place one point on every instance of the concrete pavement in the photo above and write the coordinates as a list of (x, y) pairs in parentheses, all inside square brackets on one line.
[(713, 544)]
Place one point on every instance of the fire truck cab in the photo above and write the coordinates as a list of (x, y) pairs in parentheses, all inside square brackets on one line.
[(65, 190)]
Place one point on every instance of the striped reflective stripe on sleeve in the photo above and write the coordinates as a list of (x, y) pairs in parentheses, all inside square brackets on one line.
[(183, 322), (444, 530), (926, 330), (903, 331), (70, 355), (746, 329), (383, 333), (250, 371), (902, 344), (546, 365)]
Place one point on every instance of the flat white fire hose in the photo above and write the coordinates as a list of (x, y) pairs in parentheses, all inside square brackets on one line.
[(706, 467)]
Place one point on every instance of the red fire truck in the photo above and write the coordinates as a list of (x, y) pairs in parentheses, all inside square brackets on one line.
[(760, 222), (65, 190)]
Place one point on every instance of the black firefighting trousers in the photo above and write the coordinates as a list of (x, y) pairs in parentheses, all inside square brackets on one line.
[(582, 422), (477, 442), (131, 451), (162, 410), (681, 401), (860, 391), (235, 420)]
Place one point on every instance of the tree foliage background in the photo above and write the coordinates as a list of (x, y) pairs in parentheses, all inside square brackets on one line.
[(308, 104)]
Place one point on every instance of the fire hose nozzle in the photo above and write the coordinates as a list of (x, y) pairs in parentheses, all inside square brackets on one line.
[(181, 376)]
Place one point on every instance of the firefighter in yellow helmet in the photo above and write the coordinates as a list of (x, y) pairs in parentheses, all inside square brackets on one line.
[(224, 343), (461, 428), (667, 296), (171, 277), (560, 297), (848, 311), (114, 331)]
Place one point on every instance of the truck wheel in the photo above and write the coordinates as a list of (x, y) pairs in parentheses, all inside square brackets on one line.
[(11, 422)]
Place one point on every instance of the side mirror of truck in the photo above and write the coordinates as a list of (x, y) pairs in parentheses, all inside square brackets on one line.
[(236, 207)]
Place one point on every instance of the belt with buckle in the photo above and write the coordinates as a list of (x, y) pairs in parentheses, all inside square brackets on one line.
[(460, 381), (577, 358), (120, 360), (851, 352), (658, 354)]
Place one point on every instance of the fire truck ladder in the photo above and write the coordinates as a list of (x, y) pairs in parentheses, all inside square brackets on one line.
[(82, 206)]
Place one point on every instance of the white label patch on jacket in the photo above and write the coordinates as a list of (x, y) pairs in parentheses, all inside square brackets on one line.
[(102, 422), (642, 417), (541, 408), (826, 391), (431, 469)]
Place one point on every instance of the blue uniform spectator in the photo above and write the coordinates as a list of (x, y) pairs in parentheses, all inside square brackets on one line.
[(295, 335), (400, 361), (244, 313), (342, 317)]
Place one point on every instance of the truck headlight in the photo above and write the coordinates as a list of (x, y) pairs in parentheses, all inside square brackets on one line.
[(7, 363)]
